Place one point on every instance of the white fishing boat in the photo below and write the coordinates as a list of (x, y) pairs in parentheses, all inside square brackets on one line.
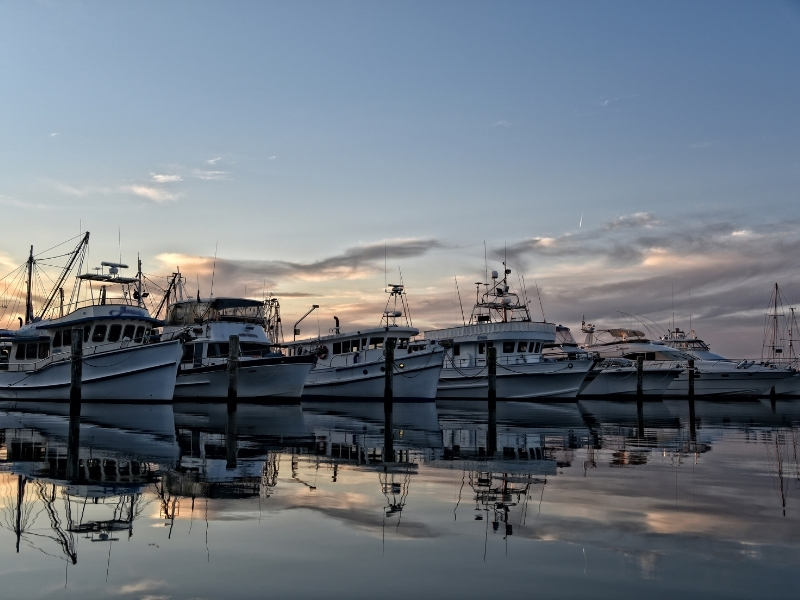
[(353, 364), (501, 320), (618, 376), (207, 325), (712, 376), (122, 359)]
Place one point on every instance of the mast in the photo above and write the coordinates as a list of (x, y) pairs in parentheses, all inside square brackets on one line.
[(58, 287), (139, 282), (28, 300)]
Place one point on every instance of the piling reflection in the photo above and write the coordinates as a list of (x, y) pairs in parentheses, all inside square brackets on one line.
[(498, 475)]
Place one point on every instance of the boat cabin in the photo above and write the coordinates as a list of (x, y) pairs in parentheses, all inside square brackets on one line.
[(339, 349)]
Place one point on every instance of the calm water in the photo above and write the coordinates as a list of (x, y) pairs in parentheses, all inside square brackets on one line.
[(589, 499)]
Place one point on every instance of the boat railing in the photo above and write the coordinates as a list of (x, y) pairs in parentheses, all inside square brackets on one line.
[(518, 359)]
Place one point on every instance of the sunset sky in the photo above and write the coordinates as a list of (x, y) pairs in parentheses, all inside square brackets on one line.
[(628, 157)]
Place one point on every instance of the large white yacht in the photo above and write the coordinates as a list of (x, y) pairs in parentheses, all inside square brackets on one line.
[(207, 324), (501, 320), (352, 364), (715, 376), (122, 360), (689, 343), (615, 376)]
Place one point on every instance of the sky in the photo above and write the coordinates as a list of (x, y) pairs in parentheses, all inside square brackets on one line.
[(627, 157)]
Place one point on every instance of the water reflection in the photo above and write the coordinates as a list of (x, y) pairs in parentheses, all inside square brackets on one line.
[(554, 493)]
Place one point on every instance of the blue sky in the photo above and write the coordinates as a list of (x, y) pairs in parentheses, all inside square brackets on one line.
[(311, 134)]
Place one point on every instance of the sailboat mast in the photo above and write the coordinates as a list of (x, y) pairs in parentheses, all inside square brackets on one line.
[(28, 299), (775, 323)]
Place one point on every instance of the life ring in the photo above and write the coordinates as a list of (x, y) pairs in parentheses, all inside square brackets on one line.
[(322, 353)]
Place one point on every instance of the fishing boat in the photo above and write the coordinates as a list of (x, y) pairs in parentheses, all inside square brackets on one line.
[(207, 325), (353, 364), (122, 359), (500, 319)]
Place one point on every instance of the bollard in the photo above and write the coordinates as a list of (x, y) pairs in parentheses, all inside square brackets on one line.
[(388, 431), (491, 361), (388, 351), (639, 375), (77, 365), (233, 366), (691, 377)]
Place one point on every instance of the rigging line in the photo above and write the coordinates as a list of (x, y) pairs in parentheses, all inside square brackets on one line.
[(59, 244), (213, 271), (541, 306), (463, 320)]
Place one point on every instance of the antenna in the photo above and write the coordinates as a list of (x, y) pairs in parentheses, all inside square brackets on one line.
[(385, 276), (485, 263), (690, 309), (459, 302), (673, 307), (119, 242), (213, 271), (540, 299)]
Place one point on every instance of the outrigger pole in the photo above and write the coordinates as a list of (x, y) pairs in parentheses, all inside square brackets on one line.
[(64, 273)]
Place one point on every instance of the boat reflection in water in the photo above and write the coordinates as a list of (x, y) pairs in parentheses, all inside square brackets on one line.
[(121, 449), (588, 497)]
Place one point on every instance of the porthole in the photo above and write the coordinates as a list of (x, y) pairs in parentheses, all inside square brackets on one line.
[(365, 371), (383, 369)]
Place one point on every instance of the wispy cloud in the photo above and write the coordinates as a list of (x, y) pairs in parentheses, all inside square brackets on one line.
[(213, 161), (210, 175), (145, 585), (501, 123), (54, 134), (9, 201), (165, 178), (154, 194), (272, 157)]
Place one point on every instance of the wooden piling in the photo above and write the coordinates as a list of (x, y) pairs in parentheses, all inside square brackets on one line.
[(388, 431), (491, 361), (639, 375), (233, 366), (691, 377), (77, 365), (388, 351), (230, 434)]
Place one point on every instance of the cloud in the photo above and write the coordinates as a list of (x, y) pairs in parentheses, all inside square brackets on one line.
[(54, 134), (213, 161), (210, 175), (145, 585), (154, 194), (165, 178), (9, 201), (358, 262), (272, 157), (640, 219), (501, 123)]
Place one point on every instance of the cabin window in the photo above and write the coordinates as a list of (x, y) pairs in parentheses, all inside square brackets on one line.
[(537, 346), (393, 340), (114, 332), (481, 347), (403, 344), (522, 347), (645, 355), (375, 343), (86, 330), (337, 347), (252, 349), (364, 343), (456, 349), (99, 334), (188, 353), (44, 350), (346, 347), (57, 340), (30, 351), (139, 333), (127, 333), (216, 350), (146, 335), (20, 354), (354, 346), (508, 347), (66, 338)]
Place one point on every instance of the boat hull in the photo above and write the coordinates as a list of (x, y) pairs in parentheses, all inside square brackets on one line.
[(416, 379), (557, 379), (139, 373), (257, 378), (622, 381), (743, 383)]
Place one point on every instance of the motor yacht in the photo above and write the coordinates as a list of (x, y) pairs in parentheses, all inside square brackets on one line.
[(500, 319), (207, 325), (353, 364), (615, 376), (122, 359), (712, 376)]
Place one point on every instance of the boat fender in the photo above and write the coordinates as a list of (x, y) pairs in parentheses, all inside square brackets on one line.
[(569, 366), (322, 353)]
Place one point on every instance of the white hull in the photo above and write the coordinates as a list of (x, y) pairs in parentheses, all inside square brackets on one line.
[(741, 382), (144, 373), (790, 386), (623, 381), (417, 378), (558, 379), (278, 377)]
